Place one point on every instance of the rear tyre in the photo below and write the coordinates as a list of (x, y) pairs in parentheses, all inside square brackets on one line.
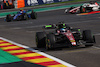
[(8, 18), (88, 37), (50, 41), (24, 16), (33, 15), (40, 39), (82, 9), (18, 18)]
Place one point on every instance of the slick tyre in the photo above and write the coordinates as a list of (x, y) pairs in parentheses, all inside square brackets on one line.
[(88, 37), (18, 18), (8, 18), (40, 39), (33, 15), (24, 16), (50, 41), (82, 9)]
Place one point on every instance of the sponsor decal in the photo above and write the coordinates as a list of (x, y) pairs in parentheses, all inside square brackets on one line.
[(48, 1), (39, 2), (32, 2)]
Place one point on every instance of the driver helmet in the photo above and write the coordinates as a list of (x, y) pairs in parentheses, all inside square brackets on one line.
[(60, 25), (63, 30), (21, 9)]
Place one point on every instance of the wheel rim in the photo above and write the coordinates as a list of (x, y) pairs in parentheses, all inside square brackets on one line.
[(47, 44), (83, 9)]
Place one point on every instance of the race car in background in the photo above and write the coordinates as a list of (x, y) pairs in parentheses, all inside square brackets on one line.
[(85, 8), (21, 15), (63, 36)]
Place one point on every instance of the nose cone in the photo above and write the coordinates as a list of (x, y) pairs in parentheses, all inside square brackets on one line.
[(71, 38)]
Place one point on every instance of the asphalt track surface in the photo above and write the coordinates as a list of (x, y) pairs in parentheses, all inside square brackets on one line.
[(23, 32)]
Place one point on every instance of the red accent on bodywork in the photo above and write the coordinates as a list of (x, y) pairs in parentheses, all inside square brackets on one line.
[(96, 4), (70, 36), (74, 10)]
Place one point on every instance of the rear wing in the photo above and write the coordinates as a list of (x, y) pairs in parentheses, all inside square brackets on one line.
[(50, 26)]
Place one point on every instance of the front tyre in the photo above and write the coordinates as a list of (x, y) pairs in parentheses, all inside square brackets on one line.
[(88, 37), (82, 9), (33, 15), (40, 39), (24, 16), (66, 11), (18, 18), (50, 41), (8, 18)]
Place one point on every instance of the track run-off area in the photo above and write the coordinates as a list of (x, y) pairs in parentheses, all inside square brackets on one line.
[(23, 32)]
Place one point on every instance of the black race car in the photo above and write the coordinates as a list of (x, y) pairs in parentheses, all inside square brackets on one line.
[(63, 36)]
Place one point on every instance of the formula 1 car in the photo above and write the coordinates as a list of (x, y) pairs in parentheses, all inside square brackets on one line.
[(85, 8), (63, 36), (21, 15)]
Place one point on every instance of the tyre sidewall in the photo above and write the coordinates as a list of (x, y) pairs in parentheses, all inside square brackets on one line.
[(87, 36), (33, 15), (40, 39), (50, 41), (8, 18)]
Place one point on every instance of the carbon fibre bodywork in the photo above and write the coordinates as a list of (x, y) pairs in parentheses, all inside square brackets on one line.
[(58, 38)]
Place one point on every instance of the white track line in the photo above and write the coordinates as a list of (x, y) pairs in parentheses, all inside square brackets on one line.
[(97, 34), (44, 54)]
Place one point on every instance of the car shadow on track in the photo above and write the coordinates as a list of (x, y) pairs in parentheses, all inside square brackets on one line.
[(60, 49)]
